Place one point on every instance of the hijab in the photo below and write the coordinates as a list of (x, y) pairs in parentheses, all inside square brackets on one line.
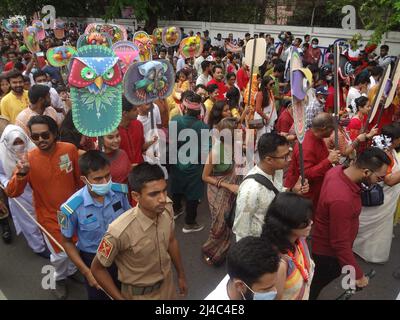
[(8, 151)]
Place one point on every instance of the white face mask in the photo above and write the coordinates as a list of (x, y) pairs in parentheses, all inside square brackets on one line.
[(314, 46), (18, 149)]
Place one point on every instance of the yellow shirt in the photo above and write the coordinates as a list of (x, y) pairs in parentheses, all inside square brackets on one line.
[(208, 104), (11, 105)]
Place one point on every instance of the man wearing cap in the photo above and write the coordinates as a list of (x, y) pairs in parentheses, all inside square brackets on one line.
[(316, 105), (186, 181)]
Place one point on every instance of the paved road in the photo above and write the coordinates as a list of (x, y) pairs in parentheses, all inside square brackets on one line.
[(20, 270)]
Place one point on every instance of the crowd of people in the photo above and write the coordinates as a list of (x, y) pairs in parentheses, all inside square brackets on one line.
[(103, 209)]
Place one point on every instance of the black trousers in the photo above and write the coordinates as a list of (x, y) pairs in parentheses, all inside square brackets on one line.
[(191, 207), (327, 269), (93, 293)]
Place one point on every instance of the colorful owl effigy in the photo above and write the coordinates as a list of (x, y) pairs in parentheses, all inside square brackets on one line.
[(96, 90)]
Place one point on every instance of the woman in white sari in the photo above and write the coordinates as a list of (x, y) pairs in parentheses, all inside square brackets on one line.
[(375, 233), (14, 143)]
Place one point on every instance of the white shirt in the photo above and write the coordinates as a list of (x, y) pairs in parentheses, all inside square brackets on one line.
[(252, 203), (202, 79), (353, 94), (383, 62), (221, 291), (197, 64), (218, 43), (180, 64)]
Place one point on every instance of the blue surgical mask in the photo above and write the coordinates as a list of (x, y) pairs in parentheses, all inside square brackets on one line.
[(269, 295), (100, 189)]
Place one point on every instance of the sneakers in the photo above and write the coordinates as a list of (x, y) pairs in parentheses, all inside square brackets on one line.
[(77, 277), (60, 292), (189, 228), (179, 213)]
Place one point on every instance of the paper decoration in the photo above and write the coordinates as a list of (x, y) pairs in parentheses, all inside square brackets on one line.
[(60, 56), (127, 52), (145, 45), (14, 24), (171, 36), (191, 47), (116, 32), (94, 38), (30, 39)]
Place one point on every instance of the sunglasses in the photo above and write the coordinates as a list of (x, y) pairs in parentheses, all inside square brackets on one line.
[(44, 135)]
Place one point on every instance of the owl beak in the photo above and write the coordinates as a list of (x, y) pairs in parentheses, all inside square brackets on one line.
[(99, 82)]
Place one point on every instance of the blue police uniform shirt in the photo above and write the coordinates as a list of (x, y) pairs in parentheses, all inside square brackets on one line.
[(89, 219)]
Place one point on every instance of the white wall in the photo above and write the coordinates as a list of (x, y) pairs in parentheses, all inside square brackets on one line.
[(326, 36)]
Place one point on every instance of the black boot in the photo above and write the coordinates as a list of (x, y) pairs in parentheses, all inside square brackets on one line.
[(6, 231)]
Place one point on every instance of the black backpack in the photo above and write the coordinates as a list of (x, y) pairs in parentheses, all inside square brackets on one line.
[(230, 215)]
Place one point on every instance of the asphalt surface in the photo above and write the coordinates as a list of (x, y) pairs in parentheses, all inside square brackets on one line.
[(20, 270)]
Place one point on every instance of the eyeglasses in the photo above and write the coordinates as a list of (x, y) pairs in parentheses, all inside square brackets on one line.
[(286, 157), (380, 178), (44, 135)]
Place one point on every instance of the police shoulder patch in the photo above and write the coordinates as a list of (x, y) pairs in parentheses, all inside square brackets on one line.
[(105, 248), (62, 220)]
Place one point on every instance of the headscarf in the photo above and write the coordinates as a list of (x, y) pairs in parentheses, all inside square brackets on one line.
[(8, 152)]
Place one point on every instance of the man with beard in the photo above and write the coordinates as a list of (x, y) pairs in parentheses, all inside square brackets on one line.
[(218, 76), (52, 171), (39, 97), (337, 217), (16, 100)]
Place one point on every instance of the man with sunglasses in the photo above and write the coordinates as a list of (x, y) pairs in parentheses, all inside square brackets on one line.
[(52, 171), (336, 219)]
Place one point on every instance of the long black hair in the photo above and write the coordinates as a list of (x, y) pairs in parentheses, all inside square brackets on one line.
[(265, 90), (287, 211), (216, 113)]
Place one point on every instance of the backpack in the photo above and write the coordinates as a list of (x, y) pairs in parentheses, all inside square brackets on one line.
[(230, 215)]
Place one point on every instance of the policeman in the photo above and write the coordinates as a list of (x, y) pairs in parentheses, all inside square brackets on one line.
[(88, 213), (142, 243)]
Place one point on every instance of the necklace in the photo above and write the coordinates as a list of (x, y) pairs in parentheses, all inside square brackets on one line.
[(304, 271)]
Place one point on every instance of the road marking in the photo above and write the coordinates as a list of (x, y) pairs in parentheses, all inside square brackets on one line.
[(2, 296)]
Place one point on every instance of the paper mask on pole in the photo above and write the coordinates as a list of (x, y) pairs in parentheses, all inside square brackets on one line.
[(145, 45), (145, 82), (116, 32), (191, 47), (127, 53), (171, 36)]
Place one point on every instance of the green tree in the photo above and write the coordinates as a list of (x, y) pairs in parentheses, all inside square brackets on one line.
[(378, 15)]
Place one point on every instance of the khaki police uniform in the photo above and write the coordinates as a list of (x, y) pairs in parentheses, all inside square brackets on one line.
[(139, 247)]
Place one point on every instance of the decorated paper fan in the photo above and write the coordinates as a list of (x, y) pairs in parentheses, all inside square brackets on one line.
[(127, 53), (14, 24), (116, 32), (95, 79), (171, 36), (60, 56), (30, 39), (395, 78), (191, 47), (147, 81), (300, 82), (157, 36), (145, 45), (39, 26), (379, 93), (59, 31), (94, 38), (346, 68)]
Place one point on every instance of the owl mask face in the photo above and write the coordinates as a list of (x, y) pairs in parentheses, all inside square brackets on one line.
[(96, 90), (95, 38), (145, 82), (171, 36)]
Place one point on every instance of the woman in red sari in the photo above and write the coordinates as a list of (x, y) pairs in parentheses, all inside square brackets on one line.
[(362, 107)]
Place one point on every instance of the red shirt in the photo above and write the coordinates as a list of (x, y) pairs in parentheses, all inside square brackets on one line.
[(330, 99), (222, 89), (242, 78), (120, 166), (285, 121), (316, 164), (336, 219), (132, 141), (9, 66)]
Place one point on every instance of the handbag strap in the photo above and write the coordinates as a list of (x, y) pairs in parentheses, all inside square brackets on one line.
[(263, 180)]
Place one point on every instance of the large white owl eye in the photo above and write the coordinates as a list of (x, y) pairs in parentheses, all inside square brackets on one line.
[(109, 74), (88, 74)]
